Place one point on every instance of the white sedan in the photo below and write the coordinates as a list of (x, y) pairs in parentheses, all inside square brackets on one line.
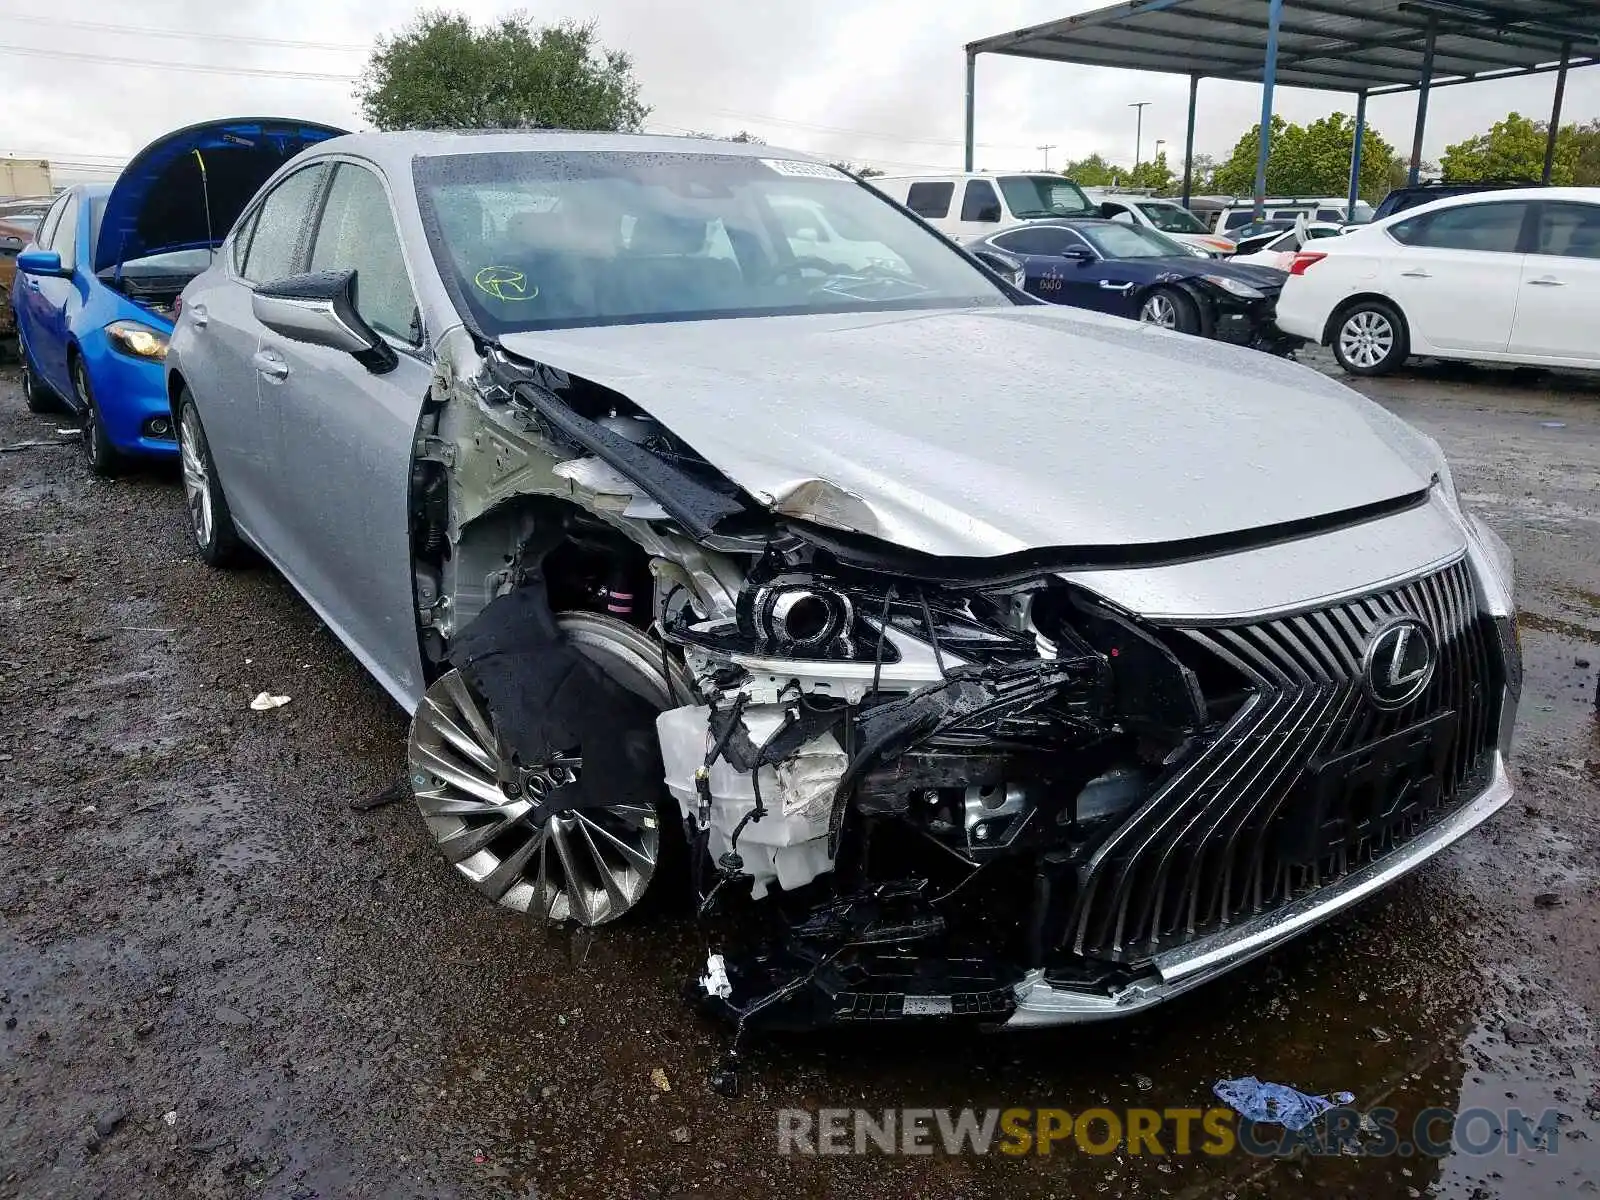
[(1508, 276)]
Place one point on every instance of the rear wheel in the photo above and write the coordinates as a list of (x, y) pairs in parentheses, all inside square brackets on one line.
[(588, 865), (1170, 309), (1370, 339), (98, 452), (36, 393), (210, 522)]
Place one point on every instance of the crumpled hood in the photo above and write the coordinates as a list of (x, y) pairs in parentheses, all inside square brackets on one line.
[(980, 432), (159, 201)]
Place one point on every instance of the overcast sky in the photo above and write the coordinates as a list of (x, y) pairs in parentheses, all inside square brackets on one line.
[(874, 81)]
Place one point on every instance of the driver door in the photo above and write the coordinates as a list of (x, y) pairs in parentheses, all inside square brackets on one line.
[(343, 439), (1103, 284)]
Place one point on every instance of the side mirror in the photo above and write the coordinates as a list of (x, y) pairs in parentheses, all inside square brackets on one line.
[(1003, 265), (41, 262), (320, 310), (1077, 254)]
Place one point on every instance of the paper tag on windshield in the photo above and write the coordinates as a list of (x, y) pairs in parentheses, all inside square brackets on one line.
[(804, 170)]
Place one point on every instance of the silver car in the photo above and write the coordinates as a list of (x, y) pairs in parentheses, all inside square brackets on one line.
[(1025, 665)]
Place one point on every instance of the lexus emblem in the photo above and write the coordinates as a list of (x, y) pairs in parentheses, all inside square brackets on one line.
[(1399, 662)]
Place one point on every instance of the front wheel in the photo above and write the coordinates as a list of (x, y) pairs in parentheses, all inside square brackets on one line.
[(210, 522), (502, 822), (99, 454), (1170, 309), (1370, 339)]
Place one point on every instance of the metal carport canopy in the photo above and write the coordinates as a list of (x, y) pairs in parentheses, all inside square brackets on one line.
[(1367, 47)]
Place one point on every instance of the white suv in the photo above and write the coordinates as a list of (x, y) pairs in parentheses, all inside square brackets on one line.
[(1508, 276), (967, 204)]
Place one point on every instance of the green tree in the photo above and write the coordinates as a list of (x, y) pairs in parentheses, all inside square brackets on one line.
[(1092, 171), (1154, 173), (861, 172), (1308, 160), (1585, 140), (1513, 149), (443, 72)]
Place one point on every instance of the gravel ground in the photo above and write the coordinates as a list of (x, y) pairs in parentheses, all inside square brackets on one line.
[(217, 979)]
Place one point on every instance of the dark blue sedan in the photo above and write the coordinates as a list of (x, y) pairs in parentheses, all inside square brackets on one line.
[(1130, 271)]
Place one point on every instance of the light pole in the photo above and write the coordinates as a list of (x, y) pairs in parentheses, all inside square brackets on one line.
[(1138, 133), (1160, 142), (1047, 147)]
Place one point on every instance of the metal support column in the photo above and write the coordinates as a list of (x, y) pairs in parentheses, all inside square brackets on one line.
[(1269, 78), (1188, 141), (1355, 155), (1422, 100), (972, 101), (1555, 113)]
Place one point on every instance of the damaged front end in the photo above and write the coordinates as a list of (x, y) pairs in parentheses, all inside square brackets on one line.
[(942, 791), (913, 776)]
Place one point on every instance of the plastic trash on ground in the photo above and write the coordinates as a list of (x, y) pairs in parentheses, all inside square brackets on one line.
[(266, 701), (1275, 1102)]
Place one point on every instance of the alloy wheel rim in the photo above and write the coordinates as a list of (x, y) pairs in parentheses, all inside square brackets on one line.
[(196, 479), (1366, 338), (588, 866), (1159, 310)]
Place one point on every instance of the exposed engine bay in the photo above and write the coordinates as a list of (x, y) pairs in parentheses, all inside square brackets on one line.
[(922, 779)]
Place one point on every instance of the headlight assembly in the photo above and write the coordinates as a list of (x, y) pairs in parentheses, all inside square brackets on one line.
[(1234, 288), (136, 340), (804, 617)]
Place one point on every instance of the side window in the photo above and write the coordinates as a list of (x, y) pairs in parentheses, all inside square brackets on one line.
[(1238, 218), (1496, 228), (979, 202), (1330, 214), (47, 227), (1569, 230), (930, 199), (281, 225), (241, 239), (64, 240), (358, 233), (1041, 239)]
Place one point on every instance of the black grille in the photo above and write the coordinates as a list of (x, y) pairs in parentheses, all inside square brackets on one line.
[(1307, 780)]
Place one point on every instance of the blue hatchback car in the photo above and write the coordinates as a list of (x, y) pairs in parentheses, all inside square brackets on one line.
[(97, 291)]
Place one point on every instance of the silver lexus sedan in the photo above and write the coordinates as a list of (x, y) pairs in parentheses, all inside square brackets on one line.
[(732, 536)]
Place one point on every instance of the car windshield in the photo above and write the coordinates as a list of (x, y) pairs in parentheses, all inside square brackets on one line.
[(1032, 196), (538, 240), (1115, 240), (1173, 218)]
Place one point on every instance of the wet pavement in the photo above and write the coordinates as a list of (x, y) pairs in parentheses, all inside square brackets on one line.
[(217, 979)]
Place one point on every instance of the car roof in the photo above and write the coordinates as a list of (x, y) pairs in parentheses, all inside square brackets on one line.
[(397, 150), (1500, 195)]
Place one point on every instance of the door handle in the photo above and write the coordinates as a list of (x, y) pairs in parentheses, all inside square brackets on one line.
[(270, 366), (1416, 273), (1107, 285), (1547, 281)]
